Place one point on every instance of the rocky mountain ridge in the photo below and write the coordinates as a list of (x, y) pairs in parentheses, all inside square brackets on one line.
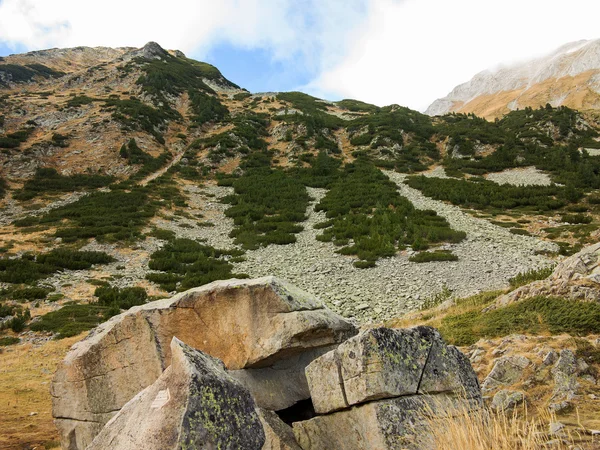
[(569, 76)]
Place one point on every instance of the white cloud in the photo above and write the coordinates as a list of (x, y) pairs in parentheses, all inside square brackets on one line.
[(381, 51), (414, 51), (287, 28)]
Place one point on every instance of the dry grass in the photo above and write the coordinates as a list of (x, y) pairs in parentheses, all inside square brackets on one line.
[(25, 375), (484, 430)]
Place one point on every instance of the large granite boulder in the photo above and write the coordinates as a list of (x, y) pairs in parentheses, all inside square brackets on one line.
[(383, 389), (386, 363), (251, 325), (576, 277), (387, 424), (193, 404)]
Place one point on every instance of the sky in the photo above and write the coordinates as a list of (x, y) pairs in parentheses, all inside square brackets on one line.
[(408, 52)]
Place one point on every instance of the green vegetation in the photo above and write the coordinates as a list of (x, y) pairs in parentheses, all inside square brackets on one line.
[(547, 138), (322, 170), (267, 205), (72, 320), (524, 278), (313, 112), (106, 216), (14, 140), (47, 181), (206, 108), (247, 135), (439, 255), (3, 187), (184, 263), (30, 268), (122, 298), (135, 115), (80, 100), (242, 96), (370, 219), (380, 136), (479, 193), (25, 294), (6, 310), (172, 76), (5, 341), (135, 155), (18, 322), (535, 315), (357, 106), (22, 74)]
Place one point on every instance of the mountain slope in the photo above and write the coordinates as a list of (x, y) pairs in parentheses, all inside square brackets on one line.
[(570, 76)]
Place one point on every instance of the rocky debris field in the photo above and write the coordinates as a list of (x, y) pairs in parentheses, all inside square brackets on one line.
[(487, 258), (527, 176)]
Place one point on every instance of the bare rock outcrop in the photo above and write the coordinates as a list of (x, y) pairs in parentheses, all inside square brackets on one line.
[(383, 388), (576, 277), (193, 404), (250, 325)]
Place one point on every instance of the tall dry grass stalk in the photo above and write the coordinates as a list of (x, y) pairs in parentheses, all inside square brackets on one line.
[(483, 429)]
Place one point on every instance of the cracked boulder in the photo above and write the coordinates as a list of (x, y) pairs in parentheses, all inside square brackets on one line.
[(193, 404), (388, 424), (250, 325), (386, 363)]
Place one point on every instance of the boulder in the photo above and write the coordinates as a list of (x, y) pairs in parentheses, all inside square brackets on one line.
[(193, 404), (565, 376), (278, 435), (397, 423), (248, 324), (507, 399), (506, 371), (283, 383), (385, 363), (576, 277)]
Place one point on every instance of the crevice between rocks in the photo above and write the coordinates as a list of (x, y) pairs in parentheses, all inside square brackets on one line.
[(424, 368)]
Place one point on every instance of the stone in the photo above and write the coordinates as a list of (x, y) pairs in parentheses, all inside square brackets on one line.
[(385, 363), (278, 435), (506, 371), (550, 358), (248, 324), (565, 376), (477, 355), (326, 384), (506, 399), (283, 383), (556, 429), (398, 423), (193, 404), (575, 277), (560, 407)]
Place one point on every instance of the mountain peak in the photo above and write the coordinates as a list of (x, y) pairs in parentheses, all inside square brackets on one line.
[(557, 78), (150, 51)]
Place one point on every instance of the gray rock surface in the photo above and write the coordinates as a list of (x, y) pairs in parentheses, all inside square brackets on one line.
[(397, 423), (506, 399), (487, 258), (249, 324), (193, 404), (506, 371), (385, 363), (576, 277), (278, 435)]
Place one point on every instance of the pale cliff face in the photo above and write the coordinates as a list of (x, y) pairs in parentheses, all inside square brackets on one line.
[(569, 76)]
